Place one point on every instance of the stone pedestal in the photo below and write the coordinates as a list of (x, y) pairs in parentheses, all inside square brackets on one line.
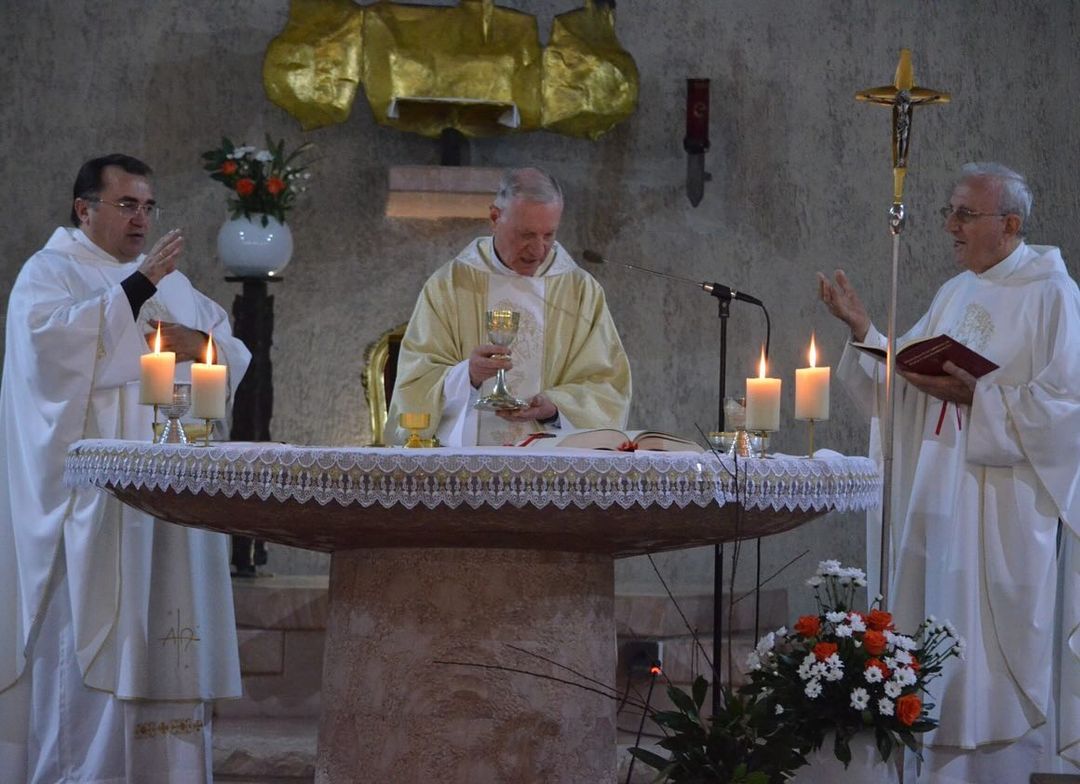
[(395, 710)]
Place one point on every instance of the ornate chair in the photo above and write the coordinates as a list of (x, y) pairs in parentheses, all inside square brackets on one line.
[(380, 371)]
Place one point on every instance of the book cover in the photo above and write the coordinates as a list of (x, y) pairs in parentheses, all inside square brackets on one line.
[(612, 439), (928, 356)]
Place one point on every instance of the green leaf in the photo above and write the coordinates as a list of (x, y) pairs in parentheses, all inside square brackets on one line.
[(649, 758), (700, 687), (682, 700), (884, 743)]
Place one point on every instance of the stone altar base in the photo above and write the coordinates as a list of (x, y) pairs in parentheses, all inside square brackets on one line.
[(392, 713)]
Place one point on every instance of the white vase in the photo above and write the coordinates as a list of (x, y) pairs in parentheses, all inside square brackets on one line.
[(866, 766), (247, 248)]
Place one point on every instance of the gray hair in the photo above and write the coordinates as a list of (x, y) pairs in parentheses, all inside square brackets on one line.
[(1016, 196), (529, 184)]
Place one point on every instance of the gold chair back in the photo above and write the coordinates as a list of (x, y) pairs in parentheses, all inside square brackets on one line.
[(380, 372)]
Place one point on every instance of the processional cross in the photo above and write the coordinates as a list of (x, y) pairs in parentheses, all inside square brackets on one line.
[(903, 96)]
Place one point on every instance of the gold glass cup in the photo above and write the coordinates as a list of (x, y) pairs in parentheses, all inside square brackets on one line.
[(414, 422)]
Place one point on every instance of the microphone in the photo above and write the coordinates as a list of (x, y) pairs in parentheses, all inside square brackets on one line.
[(718, 290)]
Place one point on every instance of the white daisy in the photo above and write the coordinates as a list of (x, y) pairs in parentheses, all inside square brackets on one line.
[(885, 706), (813, 689), (860, 698)]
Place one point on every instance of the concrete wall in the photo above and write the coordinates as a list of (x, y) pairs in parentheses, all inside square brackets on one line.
[(800, 183)]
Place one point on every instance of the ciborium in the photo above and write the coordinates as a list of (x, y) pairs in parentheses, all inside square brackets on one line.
[(502, 327), (173, 431)]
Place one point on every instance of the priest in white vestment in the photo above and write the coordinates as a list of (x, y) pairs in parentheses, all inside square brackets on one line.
[(567, 361), (986, 501), (116, 630)]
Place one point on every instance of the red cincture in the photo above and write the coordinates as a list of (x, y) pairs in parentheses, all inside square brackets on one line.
[(941, 418)]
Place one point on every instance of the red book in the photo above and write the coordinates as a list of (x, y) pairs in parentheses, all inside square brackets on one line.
[(928, 355)]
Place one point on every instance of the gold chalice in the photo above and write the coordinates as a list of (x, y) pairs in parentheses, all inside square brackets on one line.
[(502, 327), (414, 422)]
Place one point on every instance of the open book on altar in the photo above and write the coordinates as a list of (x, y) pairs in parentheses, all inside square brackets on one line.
[(614, 440), (928, 356)]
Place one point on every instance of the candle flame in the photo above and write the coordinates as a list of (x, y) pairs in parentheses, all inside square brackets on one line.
[(813, 351), (210, 350), (761, 364), (157, 339)]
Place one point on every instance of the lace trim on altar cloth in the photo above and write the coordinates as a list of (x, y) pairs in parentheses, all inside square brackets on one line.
[(489, 477)]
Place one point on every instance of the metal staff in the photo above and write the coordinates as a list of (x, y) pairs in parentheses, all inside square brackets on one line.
[(902, 95)]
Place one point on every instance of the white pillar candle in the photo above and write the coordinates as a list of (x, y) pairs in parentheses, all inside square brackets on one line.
[(762, 400), (208, 386), (812, 389), (156, 370)]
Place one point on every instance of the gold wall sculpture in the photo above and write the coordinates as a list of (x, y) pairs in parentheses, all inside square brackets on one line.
[(312, 69), (590, 83), (473, 67)]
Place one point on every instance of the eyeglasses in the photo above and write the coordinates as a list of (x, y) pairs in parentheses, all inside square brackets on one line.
[(964, 215), (130, 208)]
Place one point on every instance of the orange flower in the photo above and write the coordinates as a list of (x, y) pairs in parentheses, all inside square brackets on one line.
[(275, 185), (879, 620), (915, 664), (245, 186), (228, 168), (823, 650), (874, 643), (808, 625), (879, 664), (908, 709)]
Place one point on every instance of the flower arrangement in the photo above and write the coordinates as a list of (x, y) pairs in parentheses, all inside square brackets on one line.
[(846, 671), (264, 182)]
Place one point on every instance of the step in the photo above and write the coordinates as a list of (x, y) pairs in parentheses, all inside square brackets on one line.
[(267, 750)]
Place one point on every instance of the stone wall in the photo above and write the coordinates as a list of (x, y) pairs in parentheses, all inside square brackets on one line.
[(800, 183)]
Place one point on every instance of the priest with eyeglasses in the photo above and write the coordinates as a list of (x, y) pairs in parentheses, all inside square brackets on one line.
[(116, 630), (986, 488)]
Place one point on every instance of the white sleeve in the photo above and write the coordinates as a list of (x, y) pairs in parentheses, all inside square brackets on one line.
[(459, 423)]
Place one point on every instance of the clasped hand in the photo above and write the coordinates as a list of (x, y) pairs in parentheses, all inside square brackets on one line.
[(188, 344)]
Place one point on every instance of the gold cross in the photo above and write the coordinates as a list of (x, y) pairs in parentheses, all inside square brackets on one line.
[(902, 95)]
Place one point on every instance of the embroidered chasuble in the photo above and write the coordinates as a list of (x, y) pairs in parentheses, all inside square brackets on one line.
[(146, 604), (978, 496), (567, 348)]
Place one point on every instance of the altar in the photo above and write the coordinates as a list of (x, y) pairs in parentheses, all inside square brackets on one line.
[(471, 632)]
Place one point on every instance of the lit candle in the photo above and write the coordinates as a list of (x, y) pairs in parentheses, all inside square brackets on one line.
[(762, 400), (812, 389), (208, 387), (156, 374)]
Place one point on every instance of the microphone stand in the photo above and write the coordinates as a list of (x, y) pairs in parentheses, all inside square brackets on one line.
[(718, 549), (723, 296)]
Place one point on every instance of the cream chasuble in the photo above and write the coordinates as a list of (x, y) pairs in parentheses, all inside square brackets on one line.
[(151, 608), (567, 347), (978, 495)]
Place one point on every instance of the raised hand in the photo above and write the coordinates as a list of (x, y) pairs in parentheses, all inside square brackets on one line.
[(843, 302), (163, 257)]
